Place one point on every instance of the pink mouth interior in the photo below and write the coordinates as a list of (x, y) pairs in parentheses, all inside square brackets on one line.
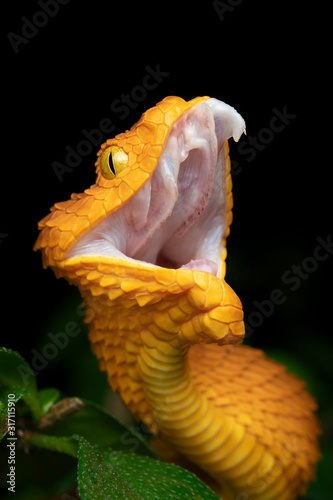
[(178, 217)]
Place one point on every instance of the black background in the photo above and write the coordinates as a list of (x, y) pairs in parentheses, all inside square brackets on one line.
[(257, 59), (261, 56)]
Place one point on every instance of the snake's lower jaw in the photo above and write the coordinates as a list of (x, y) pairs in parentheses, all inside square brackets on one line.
[(219, 317)]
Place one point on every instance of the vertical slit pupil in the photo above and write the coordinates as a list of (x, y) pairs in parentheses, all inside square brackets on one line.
[(111, 164)]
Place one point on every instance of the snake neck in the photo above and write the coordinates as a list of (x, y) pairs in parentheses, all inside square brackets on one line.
[(168, 386), (185, 418)]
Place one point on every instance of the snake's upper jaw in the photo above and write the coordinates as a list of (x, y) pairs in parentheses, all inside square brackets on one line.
[(179, 217), (228, 123)]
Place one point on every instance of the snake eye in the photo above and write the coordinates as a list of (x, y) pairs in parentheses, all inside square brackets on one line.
[(113, 161)]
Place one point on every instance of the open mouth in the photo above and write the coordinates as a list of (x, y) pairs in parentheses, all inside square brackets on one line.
[(179, 217)]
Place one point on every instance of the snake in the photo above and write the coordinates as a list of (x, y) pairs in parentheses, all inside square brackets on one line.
[(146, 247)]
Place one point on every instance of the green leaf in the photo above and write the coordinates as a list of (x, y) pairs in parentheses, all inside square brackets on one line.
[(153, 478), (66, 445), (98, 479), (47, 398), (101, 428), (107, 474), (15, 371)]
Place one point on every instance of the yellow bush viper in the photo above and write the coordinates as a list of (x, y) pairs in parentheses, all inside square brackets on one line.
[(146, 247)]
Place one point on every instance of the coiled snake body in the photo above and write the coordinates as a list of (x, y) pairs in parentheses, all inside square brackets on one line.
[(146, 247)]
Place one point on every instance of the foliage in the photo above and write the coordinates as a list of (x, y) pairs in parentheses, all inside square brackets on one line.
[(56, 441)]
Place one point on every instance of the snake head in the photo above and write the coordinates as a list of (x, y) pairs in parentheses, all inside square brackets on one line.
[(158, 215)]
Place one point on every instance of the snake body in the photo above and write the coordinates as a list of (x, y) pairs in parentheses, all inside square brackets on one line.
[(146, 247)]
